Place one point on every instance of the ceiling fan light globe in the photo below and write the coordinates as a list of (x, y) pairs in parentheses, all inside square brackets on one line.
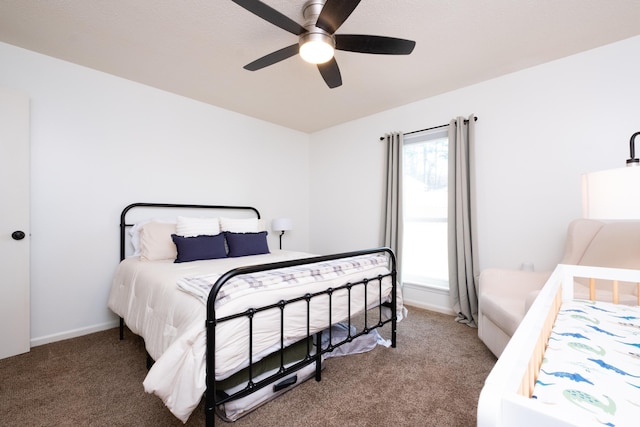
[(316, 52), (316, 47)]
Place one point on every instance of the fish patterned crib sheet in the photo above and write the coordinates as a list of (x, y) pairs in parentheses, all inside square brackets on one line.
[(591, 367)]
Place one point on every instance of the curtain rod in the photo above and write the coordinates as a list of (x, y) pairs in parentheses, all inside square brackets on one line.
[(475, 119)]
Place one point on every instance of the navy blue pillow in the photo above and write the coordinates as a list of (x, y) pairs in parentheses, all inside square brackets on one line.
[(199, 247), (242, 244)]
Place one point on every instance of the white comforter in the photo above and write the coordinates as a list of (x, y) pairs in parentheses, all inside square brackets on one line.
[(172, 322)]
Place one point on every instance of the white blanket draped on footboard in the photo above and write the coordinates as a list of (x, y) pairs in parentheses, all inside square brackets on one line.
[(505, 399)]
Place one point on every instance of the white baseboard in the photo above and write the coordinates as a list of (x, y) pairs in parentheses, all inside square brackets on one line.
[(35, 342), (428, 298)]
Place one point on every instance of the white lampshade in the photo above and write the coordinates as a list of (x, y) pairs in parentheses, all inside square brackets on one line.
[(612, 194), (282, 224)]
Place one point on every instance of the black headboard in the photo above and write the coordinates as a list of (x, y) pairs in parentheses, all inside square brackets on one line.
[(124, 224)]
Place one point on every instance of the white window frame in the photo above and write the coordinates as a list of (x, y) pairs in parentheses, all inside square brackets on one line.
[(416, 279)]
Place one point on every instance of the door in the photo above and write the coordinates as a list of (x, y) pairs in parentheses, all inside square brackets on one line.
[(14, 223)]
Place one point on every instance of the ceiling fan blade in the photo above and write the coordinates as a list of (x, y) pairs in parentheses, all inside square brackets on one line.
[(271, 15), (331, 73), (374, 44), (334, 13), (273, 57)]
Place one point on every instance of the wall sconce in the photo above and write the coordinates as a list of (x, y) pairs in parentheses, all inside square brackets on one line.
[(282, 225), (613, 193)]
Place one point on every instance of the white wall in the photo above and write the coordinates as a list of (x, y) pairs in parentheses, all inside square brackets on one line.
[(99, 142), (538, 131)]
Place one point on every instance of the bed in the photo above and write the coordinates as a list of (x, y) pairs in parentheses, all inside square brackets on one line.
[(571, 362), (224, 317)]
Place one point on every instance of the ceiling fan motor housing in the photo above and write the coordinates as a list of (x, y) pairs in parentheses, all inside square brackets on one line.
[(314, 35), (317, 35), (311, 10)]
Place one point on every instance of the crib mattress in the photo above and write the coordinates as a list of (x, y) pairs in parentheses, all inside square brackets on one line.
[(591, 367)]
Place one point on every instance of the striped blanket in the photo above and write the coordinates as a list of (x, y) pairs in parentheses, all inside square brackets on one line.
[(239, 286)]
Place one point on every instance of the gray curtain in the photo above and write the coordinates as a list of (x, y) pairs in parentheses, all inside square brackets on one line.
[(393, 217), (463, 254)]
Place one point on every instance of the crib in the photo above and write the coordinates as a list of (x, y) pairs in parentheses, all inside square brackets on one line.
[(509, 395)]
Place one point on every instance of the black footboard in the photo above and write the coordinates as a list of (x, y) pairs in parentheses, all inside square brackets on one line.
[(214, 397)]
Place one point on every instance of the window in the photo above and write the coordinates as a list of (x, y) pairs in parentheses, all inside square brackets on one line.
[(425, 194)]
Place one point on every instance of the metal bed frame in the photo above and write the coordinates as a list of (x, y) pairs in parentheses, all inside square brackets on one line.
[(214, 397)]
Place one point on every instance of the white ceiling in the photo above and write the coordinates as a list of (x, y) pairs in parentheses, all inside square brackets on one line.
[(197, 48)]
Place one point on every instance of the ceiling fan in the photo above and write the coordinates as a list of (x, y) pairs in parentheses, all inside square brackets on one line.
[(317, 38)]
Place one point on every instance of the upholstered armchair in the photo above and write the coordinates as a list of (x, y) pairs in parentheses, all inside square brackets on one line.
[(504, 296)]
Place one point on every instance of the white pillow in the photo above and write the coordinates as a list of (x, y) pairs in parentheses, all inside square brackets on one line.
[(191, 227), (246, 225), (156, 242), (134, 232)]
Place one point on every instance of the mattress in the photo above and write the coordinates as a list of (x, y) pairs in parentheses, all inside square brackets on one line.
[(172, 322), (591, 367)]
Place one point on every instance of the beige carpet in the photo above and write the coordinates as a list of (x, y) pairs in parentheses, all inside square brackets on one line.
[(432, 378)]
